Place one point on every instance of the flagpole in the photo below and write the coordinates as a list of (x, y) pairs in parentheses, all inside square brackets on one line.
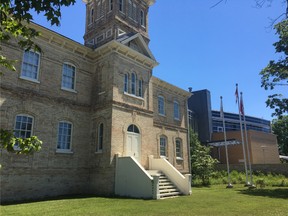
[(225, 141), (246, 140), (242, 137)]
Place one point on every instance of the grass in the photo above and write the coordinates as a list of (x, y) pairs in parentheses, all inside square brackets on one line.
[(216, 200)]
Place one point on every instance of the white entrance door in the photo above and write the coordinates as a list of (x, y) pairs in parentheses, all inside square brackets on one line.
[(133, 145)]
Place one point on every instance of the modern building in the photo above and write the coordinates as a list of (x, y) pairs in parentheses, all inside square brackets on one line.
[(108, 126), (262, 143)]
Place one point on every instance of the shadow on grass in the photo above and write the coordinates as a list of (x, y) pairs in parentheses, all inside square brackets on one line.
[(280, 193), (70, 196)]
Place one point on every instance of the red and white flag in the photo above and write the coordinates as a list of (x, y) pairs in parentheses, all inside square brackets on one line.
[(241, 108)]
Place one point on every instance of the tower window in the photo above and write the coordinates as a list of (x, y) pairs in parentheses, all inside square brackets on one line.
[(91, 16), (142, 18), (110, 5), (133, 84), (121, 5), (161, 105), (130, 9)]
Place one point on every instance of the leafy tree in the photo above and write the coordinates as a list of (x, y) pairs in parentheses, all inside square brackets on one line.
[(276, 72), (280, 128), (202, 163), (15, 16)]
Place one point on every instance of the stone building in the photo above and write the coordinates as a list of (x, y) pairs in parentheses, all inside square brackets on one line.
[(107, 125)]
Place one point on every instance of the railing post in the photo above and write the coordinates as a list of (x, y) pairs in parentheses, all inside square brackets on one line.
[(188, 178), (155, 187)]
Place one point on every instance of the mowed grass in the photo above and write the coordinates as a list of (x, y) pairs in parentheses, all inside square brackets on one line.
[(216, 200)]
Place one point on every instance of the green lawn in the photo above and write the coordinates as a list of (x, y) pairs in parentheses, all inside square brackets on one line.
[(213, 201)]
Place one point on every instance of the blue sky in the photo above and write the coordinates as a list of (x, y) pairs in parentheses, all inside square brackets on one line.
[(204, 48)]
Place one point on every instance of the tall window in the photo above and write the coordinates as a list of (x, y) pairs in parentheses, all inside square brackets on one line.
[(30, 65), (91, 16), (110, 5), (142, 18), (161, 105), (23, 126), (130, 9), (121, 5), (133, 83), (134, 15), (140, 88), (68, 76), (100, 137), (163, 146), (64, 136), (176, 110), (126, 83), (178, 148)]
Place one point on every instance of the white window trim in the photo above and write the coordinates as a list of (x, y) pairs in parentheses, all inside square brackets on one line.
[(181, 149), (29, 79), (16, 147), (134, 96), (75, 77), (38, 69), (98, 150), (64, 151), (176, 118)]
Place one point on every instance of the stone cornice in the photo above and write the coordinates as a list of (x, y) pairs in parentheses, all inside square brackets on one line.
[(54, 38), (170, 88)]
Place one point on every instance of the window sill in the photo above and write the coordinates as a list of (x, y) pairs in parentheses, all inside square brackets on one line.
[(69, 90), (99, 152), (29, 79), (134, 96), (177, 119), (179, 159), (162, 115), (64, 151)]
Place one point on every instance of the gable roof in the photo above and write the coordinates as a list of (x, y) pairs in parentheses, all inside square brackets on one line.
[(138, 40)]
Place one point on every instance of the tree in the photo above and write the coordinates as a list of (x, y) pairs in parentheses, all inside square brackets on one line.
[(15, 16), (202, 163), (280, 128), (276, 72)]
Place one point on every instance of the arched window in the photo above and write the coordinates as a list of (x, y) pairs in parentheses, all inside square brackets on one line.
[(30, 65), (178, 146), (133, 83), (142, 18), (163, 146), (91, 16), (23, 126), (121, 5), (133, 128), (100, 137)]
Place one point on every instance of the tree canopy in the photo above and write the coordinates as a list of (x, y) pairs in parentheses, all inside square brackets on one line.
[(275, 74), (280, 128)]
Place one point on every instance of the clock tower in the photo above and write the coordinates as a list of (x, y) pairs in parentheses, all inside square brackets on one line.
[(111, 19)]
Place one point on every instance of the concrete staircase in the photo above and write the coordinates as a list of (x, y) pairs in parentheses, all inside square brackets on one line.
[(166, 188)]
